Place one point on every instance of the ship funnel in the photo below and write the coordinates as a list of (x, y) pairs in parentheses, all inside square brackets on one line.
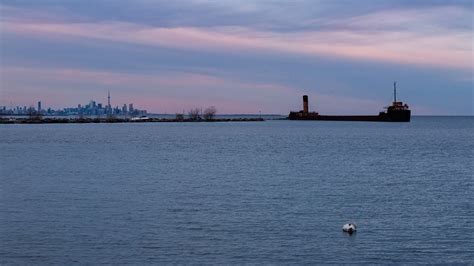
[(394, 91), (305, 104)]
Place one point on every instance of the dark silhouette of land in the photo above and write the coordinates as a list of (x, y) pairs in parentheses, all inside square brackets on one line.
[(40, 120)]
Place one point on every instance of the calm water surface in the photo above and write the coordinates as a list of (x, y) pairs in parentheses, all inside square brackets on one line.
[(262, 192)]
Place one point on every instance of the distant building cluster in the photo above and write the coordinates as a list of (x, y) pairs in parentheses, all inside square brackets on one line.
[(91, 109)]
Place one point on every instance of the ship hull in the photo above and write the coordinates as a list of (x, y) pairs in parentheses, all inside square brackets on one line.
[(402, 116)]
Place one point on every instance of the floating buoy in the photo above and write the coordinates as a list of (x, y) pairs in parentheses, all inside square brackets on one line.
[(349, 228)]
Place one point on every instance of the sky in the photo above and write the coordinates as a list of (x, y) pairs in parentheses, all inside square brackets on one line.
[(240, 56)]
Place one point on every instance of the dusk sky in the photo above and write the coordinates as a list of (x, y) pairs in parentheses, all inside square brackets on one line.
[(241, 56)]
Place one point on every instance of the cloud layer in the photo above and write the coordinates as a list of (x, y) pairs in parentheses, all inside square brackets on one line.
[(216, 43)]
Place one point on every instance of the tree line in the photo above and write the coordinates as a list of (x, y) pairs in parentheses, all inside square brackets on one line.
[(196, 114)]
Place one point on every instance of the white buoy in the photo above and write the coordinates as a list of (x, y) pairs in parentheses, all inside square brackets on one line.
[(349, 228)]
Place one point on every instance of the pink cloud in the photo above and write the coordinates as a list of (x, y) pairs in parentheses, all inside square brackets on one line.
[(173, 79), (439, 49)]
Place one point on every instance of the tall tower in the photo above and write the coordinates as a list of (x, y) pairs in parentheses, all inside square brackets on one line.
[(108, 100)]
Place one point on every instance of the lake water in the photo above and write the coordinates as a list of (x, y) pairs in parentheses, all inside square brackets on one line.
[(254, 192)]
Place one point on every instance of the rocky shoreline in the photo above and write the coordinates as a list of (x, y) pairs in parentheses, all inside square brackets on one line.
[(119, 120)]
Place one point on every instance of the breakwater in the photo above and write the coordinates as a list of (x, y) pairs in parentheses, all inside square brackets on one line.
[(120, 120)]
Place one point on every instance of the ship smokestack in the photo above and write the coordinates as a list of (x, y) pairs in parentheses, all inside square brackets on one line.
[(395, 91), (305, 104)]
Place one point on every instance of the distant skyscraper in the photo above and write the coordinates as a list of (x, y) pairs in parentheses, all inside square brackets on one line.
[(130, 107), (39, 107)]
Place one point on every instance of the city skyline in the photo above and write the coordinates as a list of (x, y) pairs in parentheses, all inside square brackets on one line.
[(92, 108), (241, 56)]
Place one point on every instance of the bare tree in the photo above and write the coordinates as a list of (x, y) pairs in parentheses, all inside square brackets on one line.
[(210, 113), (194, 114)]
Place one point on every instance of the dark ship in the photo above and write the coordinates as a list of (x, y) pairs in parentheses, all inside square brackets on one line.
[(397, 112)]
